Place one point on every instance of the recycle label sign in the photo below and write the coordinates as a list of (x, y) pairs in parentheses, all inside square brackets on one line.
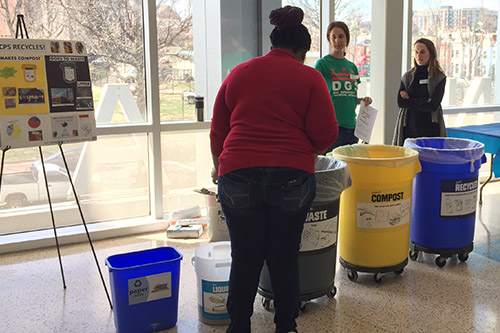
[(45, 93)]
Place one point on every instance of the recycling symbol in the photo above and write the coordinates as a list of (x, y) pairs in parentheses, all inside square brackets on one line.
[(137, 283)]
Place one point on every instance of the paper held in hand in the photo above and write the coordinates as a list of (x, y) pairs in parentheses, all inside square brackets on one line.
[(365, 122)]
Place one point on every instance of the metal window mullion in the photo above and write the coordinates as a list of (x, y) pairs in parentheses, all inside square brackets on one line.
[(153, 107)]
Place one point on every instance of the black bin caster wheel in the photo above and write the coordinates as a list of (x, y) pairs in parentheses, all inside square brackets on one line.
[(440, 261), (302, 306), (352, 275), (463, 257), (266, 303), (413, 255), (331, 294)]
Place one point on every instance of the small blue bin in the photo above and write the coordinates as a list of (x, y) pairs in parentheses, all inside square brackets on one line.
[(145, 289), (445, 196)]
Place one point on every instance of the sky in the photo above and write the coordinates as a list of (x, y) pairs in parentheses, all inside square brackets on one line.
[(432, 4), (426, 4)]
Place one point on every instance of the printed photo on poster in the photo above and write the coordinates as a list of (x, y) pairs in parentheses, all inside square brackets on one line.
[(64, 127)]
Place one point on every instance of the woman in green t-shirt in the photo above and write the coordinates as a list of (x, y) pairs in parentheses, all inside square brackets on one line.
[(342, 79)]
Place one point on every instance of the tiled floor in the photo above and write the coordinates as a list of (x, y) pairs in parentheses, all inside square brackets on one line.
[(461, 297)]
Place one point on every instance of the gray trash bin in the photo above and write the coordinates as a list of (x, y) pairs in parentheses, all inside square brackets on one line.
[(318, 249)]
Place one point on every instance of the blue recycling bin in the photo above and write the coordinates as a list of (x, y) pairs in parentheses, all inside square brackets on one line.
[(145, 289), (445, 197)]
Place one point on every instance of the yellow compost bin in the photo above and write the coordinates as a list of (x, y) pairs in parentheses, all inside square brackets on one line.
[(374, 217)]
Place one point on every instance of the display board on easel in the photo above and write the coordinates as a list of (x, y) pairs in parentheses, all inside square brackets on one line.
[(45, 99), (45, 93)]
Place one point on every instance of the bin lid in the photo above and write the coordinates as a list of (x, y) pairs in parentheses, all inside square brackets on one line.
[(376, 155), (446, 150)]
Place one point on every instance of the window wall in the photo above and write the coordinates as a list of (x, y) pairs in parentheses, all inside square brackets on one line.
[(186, 166), (174, 21), (110, 174), (465, 36), (151, 153)]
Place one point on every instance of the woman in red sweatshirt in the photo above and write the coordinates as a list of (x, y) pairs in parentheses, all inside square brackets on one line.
[(272, 116)]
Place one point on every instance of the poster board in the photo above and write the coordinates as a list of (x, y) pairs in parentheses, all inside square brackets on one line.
[(45, 93)]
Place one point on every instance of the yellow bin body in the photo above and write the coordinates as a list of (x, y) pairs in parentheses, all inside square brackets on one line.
[(374, 217)]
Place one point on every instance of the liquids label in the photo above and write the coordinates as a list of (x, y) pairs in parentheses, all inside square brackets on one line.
[(214, 299)]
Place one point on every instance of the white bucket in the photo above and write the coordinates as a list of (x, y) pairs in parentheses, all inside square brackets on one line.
[(212, 264)]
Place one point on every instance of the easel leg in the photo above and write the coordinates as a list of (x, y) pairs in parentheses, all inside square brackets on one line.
[(1, 167), (52, 216), (85, 224)]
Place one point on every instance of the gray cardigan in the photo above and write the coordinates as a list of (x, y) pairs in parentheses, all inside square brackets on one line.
[(437, 115)]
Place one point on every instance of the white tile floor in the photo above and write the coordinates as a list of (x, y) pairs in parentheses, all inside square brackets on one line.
[(461, 297)]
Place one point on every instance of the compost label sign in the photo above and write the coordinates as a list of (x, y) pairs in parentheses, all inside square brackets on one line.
[(214, 296), (149, 288), (45, 93), (320, 227), (381, 209), (458, 198)]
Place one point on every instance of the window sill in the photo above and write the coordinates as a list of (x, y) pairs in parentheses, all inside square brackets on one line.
[(76, 234)]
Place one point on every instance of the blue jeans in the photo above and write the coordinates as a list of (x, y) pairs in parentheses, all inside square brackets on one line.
[(265, 209), (346, 137)]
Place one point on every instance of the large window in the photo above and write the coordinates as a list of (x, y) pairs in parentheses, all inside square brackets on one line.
[(144, 95), (175, 60), (186, 165), (357, 15), (465, 36), (110, 174)]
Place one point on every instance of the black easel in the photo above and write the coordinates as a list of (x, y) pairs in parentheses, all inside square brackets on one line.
[(21, 30), (21, 27)]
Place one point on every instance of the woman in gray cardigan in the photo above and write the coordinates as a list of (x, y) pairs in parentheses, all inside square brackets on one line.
[(420, 95)]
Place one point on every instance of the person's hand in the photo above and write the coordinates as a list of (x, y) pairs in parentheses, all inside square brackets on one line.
[(404, 94), (214, 175), (367, 100)]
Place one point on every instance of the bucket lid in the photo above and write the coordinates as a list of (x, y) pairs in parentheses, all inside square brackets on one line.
[(214, 251), (376, 155)]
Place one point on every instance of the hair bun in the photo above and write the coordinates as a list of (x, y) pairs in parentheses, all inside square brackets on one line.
[(287, 16)]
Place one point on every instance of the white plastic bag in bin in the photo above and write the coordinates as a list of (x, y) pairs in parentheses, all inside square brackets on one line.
[(332, 177), (217, 227)]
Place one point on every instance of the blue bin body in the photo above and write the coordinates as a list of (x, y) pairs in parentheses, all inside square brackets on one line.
[(145, 289), (428, 227), (444, 200)]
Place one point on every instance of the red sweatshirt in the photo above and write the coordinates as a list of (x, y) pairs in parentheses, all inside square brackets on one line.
[(272, 111)]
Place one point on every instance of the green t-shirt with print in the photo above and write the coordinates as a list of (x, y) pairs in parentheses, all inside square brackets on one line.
[(342, 79)]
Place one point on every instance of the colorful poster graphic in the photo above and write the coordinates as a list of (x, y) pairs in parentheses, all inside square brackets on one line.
[(45, 93)]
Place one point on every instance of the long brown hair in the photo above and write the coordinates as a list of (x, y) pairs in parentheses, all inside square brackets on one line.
[(434, 66)]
